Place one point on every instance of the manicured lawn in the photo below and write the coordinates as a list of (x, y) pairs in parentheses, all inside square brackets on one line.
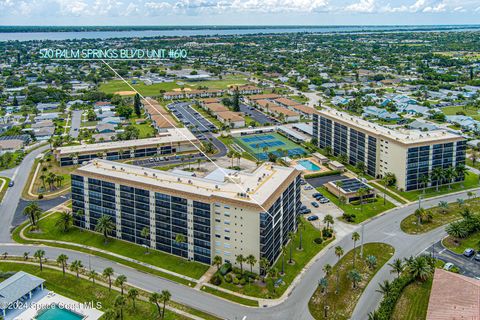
[(231, 297), (472, 241), (82, 290), (369, 209), (452, 110), (388, 191), (154, 257), (409, 224), (413, 303), (341, 305), (54, 167), (146, 129), (471, 181), (300, 258), (4, 188)]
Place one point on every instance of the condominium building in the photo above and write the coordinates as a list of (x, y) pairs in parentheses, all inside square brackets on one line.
[(409, 154), (226, 213), (170, 141)]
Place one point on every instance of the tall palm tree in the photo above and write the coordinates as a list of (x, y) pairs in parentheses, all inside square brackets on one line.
[(328, 219), (65, 221), (420, 214), (461, 171), (355, 238), (385, 288), (105, 226), (155, 298), (145, 233), (355, 277), (240, 259), (397, 267), (419, 268), (62, 260), (300, 228), (327, 269), (120, 282), (362, 192), (251, 260), (33, 211), (291, 236), (217, 261), (119, 304), (92, 275), (424, 180), (264, 264), (76, 266), (450, 175), (437, 175), (165, 297), (283, 251), (339, 254), (107, 274), (132, 294), (39, 254)]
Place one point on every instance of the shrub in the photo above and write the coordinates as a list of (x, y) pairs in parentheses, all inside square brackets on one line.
[(326, 233), (235, 280), (225, 268), (243, 281), (228, 278), (321, 174), (318, 240), (387, 306), (40, 196), (216, 280), (349, 217)]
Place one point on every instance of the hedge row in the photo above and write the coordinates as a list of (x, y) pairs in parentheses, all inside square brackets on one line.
[(387, 306), (322, 174)]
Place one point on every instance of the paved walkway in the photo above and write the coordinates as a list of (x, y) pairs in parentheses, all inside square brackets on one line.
[(206, 277)]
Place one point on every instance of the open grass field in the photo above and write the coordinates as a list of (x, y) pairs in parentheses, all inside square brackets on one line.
[(157, 258), (472, 112), (341, 305), (440, 217), (369, 209), (82, 290), (413, 303), (260, 145), (155, 89)]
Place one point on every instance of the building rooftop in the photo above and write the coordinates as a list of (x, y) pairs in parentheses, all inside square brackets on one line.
[(16, 287), (172, 136), (400, 135), (257, 189)]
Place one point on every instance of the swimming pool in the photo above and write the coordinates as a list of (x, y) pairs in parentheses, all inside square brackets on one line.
[(55, 312), (309, 165)]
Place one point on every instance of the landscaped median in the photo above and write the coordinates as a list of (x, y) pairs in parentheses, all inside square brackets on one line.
[(82, 290), (339, 291), (4, 181), (156, 262)]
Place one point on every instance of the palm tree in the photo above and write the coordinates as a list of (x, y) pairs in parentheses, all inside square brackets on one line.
[(273, 274), (371, 261), (374, 315), (419, 268), (145, 233), (132, 294), (327, 269), (264, 264), (424, 180), (397, 267), (120, 282), (355, 277), (110, 314), (444, 206), (470, 195), (323, 284), (460, 202), (62, 260), (25, 255), (217, 261), (362, 192), (339, 254), (461, 171), (355, 238), (120, 303), (328, 220), (437, 175), (39, 254), (339, 187), (240, 259), (251, 260), (65, 221), (92, 274), (450, 175), (107, 274), (291, 236), (420, 214), (105, 226), (76, 266), (300, 227), (43, 177), (180, 238), (156, 298), (33, 211), (456, 230), (165, 297), (385, 288)]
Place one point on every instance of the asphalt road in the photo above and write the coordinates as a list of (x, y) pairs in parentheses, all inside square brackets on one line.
[(75, 123), (467, 265)]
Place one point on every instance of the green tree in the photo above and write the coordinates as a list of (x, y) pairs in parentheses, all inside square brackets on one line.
[(419, 268), (264, 264), (240, 259), (328, 219), (76, 266), (385, 288), (165, 297), (137, 105), (62, 261), (145, 233), (39, 254), (355, 277), (156, 298), (92, 275), (119, 304), (132, 294), (251, 260), (339, 254), (355, 238), (217, 261), (107, 274), (65, 221), (396, 267), (33, 211), (105, 226), (120, 282), (444, 206)]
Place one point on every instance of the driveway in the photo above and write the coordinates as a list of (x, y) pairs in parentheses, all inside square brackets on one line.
[(256, 114), (75, 123)]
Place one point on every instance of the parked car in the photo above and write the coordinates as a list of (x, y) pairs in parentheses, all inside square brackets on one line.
[(313, 203), (448, 266), (11, 183), (307, 211), (324, 200), (312, 218), (317, 194), (468, 252), (308, 188), (303, 182), (303, 207), (477, 257)]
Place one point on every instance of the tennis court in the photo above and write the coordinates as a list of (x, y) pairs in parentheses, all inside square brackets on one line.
[(260, 145)]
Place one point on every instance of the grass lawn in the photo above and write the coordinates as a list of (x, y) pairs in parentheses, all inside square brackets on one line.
[(452, 110), (369, 209), (409, 224), (4, 188), (472, 241), (301, 99), (300, 258), (154, 89), (231, 297), (156, 258), (471, 181), (389, 192), (146, 129), (82, 290), (413, 303), (54, 167), (13, 160), (341, 305)]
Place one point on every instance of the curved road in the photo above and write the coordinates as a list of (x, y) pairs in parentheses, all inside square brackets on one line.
[(385, 228)]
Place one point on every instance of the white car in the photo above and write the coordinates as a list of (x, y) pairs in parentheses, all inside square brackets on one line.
[(448, 266)]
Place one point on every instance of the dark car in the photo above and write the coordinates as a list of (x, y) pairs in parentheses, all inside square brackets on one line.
[(468, 252), (312, 218), (303, 207), (317, 194), (11, 184), (307, 211), (313, 203)]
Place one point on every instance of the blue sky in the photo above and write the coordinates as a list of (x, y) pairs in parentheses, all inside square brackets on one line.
[(201, 12)]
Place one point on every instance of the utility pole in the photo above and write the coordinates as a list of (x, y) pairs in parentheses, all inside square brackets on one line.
[(361, 247)]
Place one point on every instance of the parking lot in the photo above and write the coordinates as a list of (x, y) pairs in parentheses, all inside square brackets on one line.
[(191, 118), (256, 115), (320, 181), (467, 265)]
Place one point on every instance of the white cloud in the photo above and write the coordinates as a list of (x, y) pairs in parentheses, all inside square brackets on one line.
[(364, 6)]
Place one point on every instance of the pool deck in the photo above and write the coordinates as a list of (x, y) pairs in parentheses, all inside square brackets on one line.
[(295, 163), (48, 298)]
